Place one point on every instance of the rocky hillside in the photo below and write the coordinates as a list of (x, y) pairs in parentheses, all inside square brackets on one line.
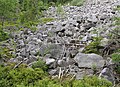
[(64, 42)]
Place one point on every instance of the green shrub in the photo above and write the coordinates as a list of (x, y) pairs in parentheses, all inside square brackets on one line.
[(5, 53), (45, 20), (94, 46), (47, 82), (116, 60), (77, 2), (91, 82), (86, 82), (57, 2), (40, 64), (3, 35), (116, 57), (60, 10), (28, 77), (13, 77)]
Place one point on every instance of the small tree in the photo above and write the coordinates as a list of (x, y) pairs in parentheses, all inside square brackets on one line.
[(30, 9), (7, 10)]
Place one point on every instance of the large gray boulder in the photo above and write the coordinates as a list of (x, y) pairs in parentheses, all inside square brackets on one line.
[(89, 60)]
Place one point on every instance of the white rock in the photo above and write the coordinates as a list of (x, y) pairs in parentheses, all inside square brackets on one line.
[(49, 61)]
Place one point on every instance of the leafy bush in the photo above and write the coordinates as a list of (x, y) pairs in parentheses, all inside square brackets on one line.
[(13, 77), (5, 53), (57, 2), (7, 10), (77, 2), (116, 57), (30, 10), (94, 46), (116, 60), (45, 20), (3, 35), (40, 64), (28, 77), (60, 10), (92, 82), (47, 82)]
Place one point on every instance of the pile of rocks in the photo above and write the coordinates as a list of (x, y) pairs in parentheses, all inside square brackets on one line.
[(60, 42)]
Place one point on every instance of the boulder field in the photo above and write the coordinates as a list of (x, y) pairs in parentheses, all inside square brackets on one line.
[(60, 43)]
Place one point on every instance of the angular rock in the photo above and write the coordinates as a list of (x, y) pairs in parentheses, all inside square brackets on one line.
[(89, 60), (49, 61), (107, 74)]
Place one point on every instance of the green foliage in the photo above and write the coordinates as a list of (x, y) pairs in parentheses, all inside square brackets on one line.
[(117, 21), (86, 82), (30, 25), (3, 35), (115, 36), (94, 68), (28, 77), (40, 64), (118, 51), (5, 53), (77, 2), (47, 82), (21, 75), (57, 2), (116, 60), (91, 82), (115, 33), (60, 10), (7, 10), (116, 57), (45, 20), (94, 46), (30, 10)]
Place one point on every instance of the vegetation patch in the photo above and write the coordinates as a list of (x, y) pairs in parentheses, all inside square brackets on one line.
[(12, 77), (94, 46), (116, 60), (28, 77), (77, 2), (3, 35), (5, 53), (40, 64), (45, 20)]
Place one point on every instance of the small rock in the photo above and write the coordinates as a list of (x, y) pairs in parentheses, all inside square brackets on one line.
[(49, 61), (107, 74)]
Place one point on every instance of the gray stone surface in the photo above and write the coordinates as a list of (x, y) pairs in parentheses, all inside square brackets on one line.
[(89, 60), (49, 61), (107, 74), (83, 72)]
